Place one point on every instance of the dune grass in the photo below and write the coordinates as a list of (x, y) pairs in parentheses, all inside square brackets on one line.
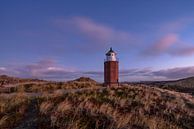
[(52, 86), (126, 107)]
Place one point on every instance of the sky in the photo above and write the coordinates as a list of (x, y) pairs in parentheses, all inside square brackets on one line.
[(66, 39)]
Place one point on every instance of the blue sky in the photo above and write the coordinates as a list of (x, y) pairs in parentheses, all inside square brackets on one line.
[(65, 39)]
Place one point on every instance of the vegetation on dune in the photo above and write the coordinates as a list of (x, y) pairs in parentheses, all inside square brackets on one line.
[(85, 104), (127, 107), (52, 86), (34, 86), (185, 85), (6, 80), (12, 110)]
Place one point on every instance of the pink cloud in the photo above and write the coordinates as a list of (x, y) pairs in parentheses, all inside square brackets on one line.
[(175, 73), (50, 70), (171, 43), (2, 68), (92, 29), (95, 31), (44, 69), (162, 45), (166, 42), (183, 51), (148, 74)]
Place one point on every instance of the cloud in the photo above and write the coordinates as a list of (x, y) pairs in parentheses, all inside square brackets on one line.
[(91, 29), (96, 73), (174, 73), (124, 75), (95, 31), (170, 44), (44, 69), (148, 74), (162, 45), (2, 68), (100, 32), (166, 42), (182, 51), (51, 70), (170, 41), (100, 35), (135, 72)]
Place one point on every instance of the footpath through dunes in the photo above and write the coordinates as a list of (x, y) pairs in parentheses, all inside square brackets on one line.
[(126, 107)]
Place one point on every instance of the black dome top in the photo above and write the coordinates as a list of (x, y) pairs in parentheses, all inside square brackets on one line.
[(110, 51)]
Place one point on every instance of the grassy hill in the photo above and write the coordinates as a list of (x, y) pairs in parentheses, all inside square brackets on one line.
[(127, 107), (185, 85), (84, 79), (5, 80), (35, 85), (85, 104), (186, 82)]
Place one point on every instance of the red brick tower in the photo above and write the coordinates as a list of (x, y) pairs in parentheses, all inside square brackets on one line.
[(111, 69)]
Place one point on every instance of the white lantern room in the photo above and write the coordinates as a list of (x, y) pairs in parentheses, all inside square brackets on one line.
[(111, 55)]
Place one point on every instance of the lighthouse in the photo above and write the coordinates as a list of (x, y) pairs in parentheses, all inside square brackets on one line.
[(111, 69)]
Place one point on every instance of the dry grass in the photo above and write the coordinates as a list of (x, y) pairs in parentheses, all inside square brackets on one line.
[(127, 107), (12, 110), (53, 86)]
